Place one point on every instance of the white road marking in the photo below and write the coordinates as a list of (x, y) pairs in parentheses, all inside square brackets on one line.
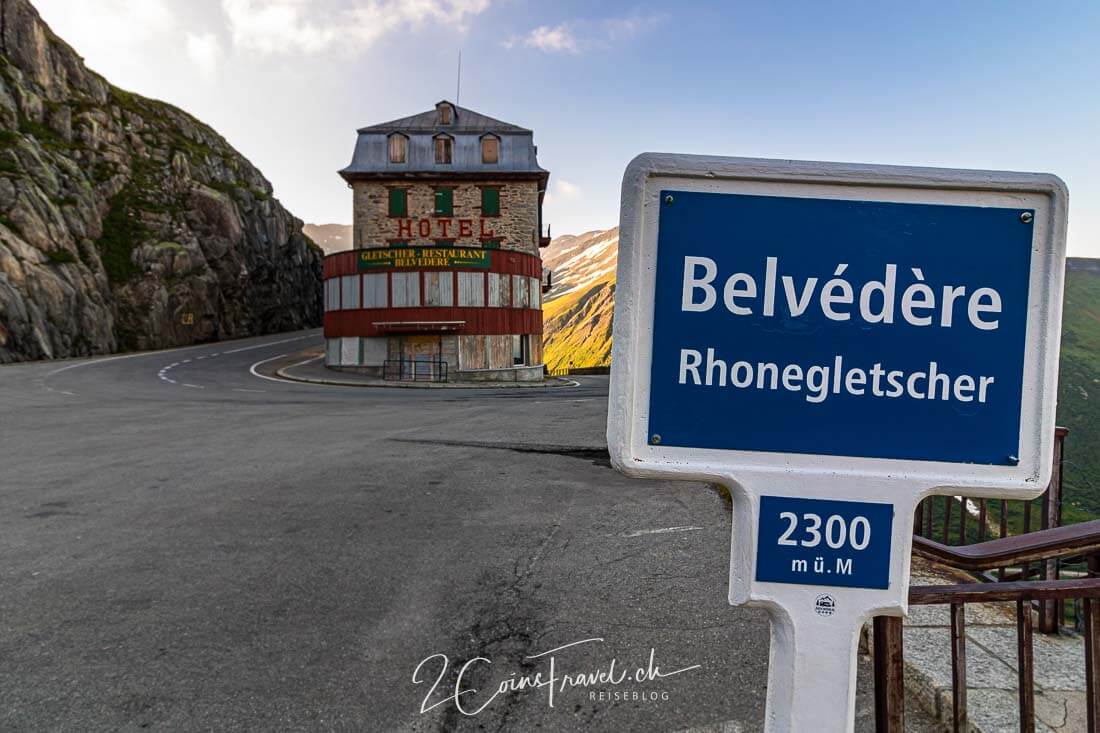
[(548, 402), (663, 530), (271, 343), (94, 361), (262, 391), (253, 372), (162, 374)]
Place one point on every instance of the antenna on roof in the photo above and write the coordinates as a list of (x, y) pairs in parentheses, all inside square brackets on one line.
[(458, 85)]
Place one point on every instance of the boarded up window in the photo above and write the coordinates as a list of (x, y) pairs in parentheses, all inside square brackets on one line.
[(439, 289), (332, 294), (398, 147), (349, 291), (500, 294), (406, 289), (374, 290), (536, 291), (471, 288), (349, 351), (444, 147), (520, 292), (490, 149)]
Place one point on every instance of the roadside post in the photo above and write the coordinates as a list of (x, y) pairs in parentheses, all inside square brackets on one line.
[(834, 342)]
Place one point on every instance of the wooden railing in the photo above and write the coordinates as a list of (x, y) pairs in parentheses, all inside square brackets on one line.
[(1036, 547), (951, 521)]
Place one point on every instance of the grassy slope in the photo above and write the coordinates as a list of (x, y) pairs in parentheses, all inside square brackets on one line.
[(578, 326), (1079, 392)]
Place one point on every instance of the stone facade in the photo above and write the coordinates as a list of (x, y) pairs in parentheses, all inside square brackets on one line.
[(516, 228), (456, 294)]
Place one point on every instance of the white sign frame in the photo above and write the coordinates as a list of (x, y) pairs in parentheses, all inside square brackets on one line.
[(806, 691)]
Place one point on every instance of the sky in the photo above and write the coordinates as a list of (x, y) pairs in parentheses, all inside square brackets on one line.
[(991, 85)]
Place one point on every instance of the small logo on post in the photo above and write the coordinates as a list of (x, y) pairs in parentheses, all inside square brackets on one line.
[(825, 605)]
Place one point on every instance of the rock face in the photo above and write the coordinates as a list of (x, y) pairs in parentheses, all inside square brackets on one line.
[(125, 223)]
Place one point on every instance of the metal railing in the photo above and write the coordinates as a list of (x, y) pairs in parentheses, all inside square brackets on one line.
[(1037, 546), (414, 370)]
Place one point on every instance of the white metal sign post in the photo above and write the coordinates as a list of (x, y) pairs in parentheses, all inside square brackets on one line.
[(834, 343)]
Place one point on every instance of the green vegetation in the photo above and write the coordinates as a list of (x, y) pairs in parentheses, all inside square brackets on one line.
[(123, 229), (1079, 389), (122, 232), (60, 256), (578, 327)]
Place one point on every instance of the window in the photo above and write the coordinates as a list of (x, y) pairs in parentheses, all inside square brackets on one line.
[(500, 291), (521, 349), (399, 202), (520, 291), (536, 292), (399, 146), (349, 351), (471, 289), (332, 294), (444, 148), (444, 202), (446, 113), (439, 289), (490, 149), (349, 291), (490, 201), (406, 289), (374, 290)]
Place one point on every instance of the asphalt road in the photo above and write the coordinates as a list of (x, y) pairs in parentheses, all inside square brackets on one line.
[(185, 545)]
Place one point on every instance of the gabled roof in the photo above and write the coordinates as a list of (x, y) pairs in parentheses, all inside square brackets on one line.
[(465, 121)]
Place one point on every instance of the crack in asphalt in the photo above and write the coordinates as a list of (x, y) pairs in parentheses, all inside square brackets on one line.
[(598, 456)]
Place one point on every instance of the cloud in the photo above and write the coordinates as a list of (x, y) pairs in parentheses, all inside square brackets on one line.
[(108, 29), (566, 190), (272, 27), (204, 52), (582, 35), (620, 29), (562, 191), (558, 39)]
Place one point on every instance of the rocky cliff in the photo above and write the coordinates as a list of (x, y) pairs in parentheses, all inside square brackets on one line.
[(125, 223)]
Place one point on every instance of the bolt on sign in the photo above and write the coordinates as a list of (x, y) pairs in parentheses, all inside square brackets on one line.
[(834, 343)]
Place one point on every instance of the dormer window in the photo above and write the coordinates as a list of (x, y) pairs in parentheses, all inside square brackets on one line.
[(399, 148), (490, 149), (446, 113), (444, 149)]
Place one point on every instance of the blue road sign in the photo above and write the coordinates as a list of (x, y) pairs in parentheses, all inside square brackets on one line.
[(824, 542), (837, 327)]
